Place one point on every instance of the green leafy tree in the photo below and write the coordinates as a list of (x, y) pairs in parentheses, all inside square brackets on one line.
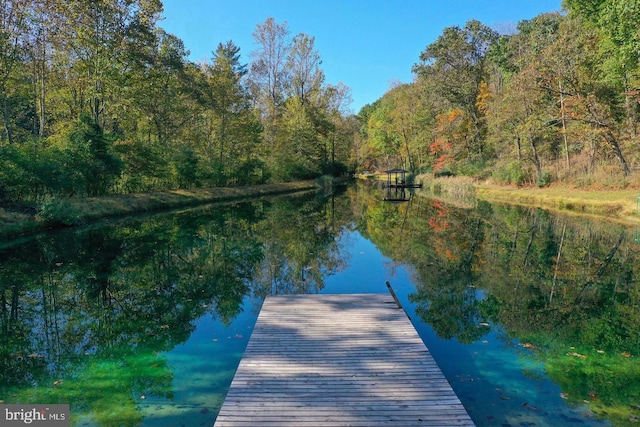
[(455, 64), (617, 20), (90, 156), (233, 129), (269, 74)]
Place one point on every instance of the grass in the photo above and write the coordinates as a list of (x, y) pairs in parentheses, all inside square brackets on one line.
[(456, 191), (101, 207), (620, 205), (83, 210)]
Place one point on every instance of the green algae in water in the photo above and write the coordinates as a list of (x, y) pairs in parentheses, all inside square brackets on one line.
[(143, 323)]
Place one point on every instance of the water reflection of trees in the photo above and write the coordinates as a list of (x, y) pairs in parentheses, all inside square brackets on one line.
[(567, 287), (441, 244), (301, 246), (85, 314)]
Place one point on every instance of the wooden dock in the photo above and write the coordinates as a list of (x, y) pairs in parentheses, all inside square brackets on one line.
[(338, 360)]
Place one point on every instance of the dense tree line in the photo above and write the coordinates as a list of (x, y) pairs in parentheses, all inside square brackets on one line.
[(558, 99), (97, 98)]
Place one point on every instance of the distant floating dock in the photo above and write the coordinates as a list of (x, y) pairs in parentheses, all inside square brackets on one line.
[(338, 360)]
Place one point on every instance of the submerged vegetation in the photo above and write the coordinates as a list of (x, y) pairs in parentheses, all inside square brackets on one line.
[(92, 314), (563, 289)]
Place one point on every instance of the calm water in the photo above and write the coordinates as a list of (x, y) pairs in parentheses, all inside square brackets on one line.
[(533, 318)]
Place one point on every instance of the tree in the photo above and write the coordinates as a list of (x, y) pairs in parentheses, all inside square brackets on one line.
[(14, 25), (93, 166), (341, 129), (93, 42), (455, 63), (617, 21), (303, 64), (523, 112), (269, 74), (233, 128)]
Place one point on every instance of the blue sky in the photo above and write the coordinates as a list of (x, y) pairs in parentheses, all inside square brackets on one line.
[(364, 44)]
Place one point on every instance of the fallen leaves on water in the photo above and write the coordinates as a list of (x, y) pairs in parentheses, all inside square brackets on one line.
[(578, 355), (531, 407)]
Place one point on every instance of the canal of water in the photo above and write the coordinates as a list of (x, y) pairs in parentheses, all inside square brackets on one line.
[(533, 317)]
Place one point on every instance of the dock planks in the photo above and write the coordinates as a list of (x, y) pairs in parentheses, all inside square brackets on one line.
[(338, 360)]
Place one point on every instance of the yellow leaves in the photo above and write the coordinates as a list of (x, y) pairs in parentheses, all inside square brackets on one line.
[(451, 116), (484, 98)]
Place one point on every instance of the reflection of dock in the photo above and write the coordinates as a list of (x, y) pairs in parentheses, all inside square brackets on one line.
[(401, 185), (396, 194), (337, 360)]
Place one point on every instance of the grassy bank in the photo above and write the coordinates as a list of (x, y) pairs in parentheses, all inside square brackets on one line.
[(55, 213), (612, 204), (619, 205)]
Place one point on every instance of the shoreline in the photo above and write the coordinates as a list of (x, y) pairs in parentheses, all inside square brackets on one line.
[(613, 205), (71, 212)]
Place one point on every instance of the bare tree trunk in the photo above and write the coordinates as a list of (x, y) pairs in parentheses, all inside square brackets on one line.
[(7, 122), (556, 266), (536, 157), (39, 78), (613, 141), (564, 127), (630, 107)]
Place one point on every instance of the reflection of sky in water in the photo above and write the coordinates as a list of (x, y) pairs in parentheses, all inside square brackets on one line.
[(497, 381)]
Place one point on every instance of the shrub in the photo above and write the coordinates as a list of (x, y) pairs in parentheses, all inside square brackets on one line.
[(55, 211), (544, 179), (510, 173)]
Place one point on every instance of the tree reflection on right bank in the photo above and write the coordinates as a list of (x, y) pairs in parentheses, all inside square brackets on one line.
[(564, 288)]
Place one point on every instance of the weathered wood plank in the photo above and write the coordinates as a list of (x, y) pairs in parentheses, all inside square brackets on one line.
[(336, 360)]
